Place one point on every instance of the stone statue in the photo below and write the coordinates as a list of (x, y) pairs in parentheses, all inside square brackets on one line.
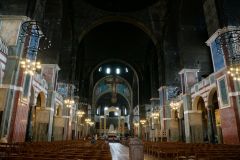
[(111, 129)]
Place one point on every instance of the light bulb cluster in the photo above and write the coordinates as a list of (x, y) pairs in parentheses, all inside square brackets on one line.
[(136, 124), (30, 66), (155, 115), (91, 123), (88, 121), (80, 113), (142, 121), (234, 72), (69, 102), (174, 105)]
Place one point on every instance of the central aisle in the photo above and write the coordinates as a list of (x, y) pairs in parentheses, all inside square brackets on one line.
[(119, 151)]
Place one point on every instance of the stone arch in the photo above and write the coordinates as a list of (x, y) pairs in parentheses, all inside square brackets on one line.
[(134, 22), (115, 60), (195, 104), (125, 81), (41, 100), (214, 114), (128, 107), (201, 129), (181, 111), (211, 95), (124, 19), (59, 110)]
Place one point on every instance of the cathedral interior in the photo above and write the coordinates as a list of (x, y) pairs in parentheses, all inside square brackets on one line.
[(158, 70)]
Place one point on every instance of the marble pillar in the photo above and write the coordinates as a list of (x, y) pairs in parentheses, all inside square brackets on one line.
[(11, 88), (105, 125)]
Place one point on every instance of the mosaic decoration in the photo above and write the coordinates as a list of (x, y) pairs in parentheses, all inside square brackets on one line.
[(173, 92), (62, 89), (123, 89), (217, 56), (112, 85), (101, 88), (223, 91), (228, 44), (34, 29)]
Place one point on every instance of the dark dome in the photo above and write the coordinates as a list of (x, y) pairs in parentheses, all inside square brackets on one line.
[(121, 5)]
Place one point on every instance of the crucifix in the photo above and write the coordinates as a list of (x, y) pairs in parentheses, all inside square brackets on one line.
[(113, 81)]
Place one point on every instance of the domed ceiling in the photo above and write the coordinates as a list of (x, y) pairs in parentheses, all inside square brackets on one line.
[(121, 5)]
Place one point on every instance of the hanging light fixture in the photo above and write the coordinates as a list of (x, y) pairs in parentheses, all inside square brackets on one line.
[(36, 29), (30, 66), (80, 113), (87, 120), (174, 105), (142, 121), (228, 43), (91, 123), (136, 124), (234, 72), (69, 102), (155, 115)]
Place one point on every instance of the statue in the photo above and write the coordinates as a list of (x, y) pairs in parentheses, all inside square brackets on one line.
[(111, 129)]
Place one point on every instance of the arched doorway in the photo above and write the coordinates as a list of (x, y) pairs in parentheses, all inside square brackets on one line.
[(215, 120), (39, 125), (113, 90), (112, 117), (31, 117), (58, 125), (199, 121), (201, 106), (181, 123)]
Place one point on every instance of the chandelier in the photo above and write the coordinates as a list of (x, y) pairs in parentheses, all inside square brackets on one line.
[(142, 121), (155, 115), (174, 105), (89, 121), (228, 43), (35, 29), (234, 71), (80, 113), (136, 124), (30, 66), (69, 102)]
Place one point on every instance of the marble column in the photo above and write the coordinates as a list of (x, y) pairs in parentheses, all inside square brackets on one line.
[(12, 80), (105, 125), (119, 124), (123, 127), (100, 125), (187, 105)]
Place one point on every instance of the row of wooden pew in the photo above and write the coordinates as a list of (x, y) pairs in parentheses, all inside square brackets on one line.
[(61, 150), (192, 151)]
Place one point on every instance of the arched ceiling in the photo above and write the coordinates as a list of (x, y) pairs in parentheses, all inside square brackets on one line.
[(125, 71), (121, 5), (116, 40), (105, 100)]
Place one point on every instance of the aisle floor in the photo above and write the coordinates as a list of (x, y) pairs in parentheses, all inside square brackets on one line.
[(121, 152)]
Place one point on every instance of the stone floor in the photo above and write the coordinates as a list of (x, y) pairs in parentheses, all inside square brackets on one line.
[(121, 152)]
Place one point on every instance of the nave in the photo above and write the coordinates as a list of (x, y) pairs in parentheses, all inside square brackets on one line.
[(66, 150), (102, 150)]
